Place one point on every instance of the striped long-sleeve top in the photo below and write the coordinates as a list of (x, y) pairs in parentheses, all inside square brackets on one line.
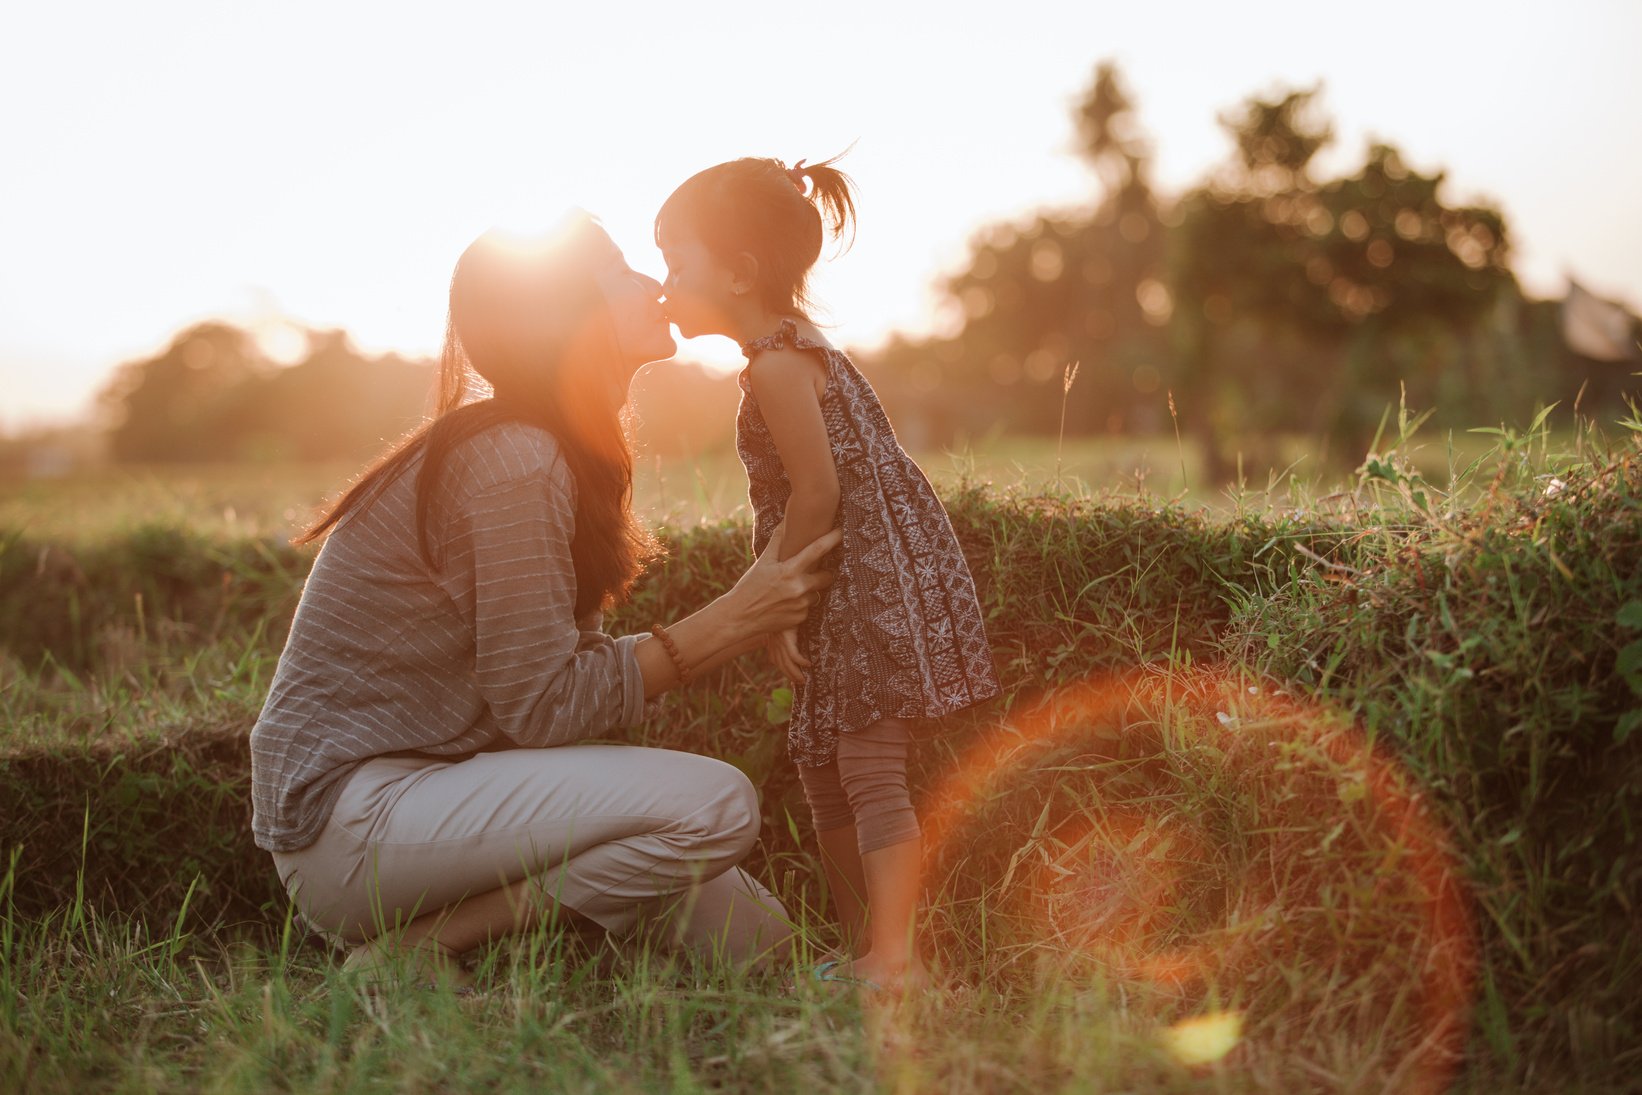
[(481, 652)]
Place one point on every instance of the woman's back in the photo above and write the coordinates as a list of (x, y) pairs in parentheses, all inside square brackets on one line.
[(386, 655)]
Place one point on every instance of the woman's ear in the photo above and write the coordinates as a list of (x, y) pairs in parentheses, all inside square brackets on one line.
[(744, 273)]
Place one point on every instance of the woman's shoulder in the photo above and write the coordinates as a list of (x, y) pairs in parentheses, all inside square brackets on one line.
[(508, 452)]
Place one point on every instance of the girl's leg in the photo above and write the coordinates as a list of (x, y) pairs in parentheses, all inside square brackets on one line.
[(872, 768), (841, 856), (893, 880), (442, 850), (840, 850)]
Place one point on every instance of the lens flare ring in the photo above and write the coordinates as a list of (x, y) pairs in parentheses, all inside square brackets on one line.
[(1325, 848)]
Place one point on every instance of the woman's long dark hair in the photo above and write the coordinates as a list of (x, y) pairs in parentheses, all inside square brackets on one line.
[(530, 322)]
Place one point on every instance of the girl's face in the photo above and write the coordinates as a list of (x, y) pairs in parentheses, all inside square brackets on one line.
[(634, 303), (700, 288)]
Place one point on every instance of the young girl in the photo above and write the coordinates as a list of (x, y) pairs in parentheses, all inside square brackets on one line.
[(898, 637)]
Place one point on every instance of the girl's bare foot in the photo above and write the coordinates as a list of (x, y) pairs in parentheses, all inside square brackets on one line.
[(892, 976)]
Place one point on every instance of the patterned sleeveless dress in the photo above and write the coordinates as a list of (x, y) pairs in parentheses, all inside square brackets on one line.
[(900, 631)]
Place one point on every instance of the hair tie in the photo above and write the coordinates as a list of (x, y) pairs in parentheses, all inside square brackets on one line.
[(796, 174)]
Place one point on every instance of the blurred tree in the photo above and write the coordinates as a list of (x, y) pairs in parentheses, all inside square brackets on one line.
[(179, 404), (333, 404), (1109, 134), (1083, 286), (212, 395), (1306, 303), (1270, 298)]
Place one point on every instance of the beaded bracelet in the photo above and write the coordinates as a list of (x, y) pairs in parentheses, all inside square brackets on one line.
[(671, 647)]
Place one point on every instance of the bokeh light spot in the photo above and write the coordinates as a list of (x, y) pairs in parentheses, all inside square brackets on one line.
[(1204, 1039)]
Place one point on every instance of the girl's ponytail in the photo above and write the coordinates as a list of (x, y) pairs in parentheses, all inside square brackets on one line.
[(833, 194), (778, 214)]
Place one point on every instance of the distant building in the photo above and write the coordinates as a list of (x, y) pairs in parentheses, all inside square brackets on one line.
[(1601, 330)]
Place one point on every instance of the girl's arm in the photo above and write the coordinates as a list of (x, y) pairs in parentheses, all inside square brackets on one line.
[(785, 384)]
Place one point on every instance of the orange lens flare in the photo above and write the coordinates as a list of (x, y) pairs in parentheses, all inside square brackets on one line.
[(1205, 835), (1114, 885)]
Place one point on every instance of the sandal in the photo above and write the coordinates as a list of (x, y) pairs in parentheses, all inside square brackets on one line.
[(825, 972)]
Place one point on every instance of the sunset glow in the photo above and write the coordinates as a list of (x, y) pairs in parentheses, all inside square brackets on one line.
[(327, 164), (749, 547)]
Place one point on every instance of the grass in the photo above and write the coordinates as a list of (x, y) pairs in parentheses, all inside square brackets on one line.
[(1356, 765), (237, 501), (110, 1006)]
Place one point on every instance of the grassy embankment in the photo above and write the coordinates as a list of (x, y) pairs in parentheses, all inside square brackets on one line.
[(1360, 767)]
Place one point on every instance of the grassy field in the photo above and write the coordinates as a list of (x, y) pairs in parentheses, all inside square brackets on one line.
[(240, 500), (249, 500), (1350, 771)]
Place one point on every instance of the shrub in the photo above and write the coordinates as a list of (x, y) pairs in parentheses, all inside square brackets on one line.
[(1484, 647), (1497, 647)]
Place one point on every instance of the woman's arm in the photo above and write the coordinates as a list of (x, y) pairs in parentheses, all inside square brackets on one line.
[(546, 681), (543, 684), (507, 566)]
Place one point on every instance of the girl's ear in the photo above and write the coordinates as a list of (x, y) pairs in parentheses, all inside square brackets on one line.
[(744, 273)]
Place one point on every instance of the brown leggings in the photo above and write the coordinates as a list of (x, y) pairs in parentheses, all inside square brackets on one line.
[(865, 785)]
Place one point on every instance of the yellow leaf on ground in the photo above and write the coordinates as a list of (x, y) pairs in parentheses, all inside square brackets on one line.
[(1205, 1039)]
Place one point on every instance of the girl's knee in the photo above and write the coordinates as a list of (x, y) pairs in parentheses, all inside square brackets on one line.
[(873, 771), (829, 805)]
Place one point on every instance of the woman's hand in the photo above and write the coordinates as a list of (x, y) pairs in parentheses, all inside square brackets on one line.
[(774, 595)]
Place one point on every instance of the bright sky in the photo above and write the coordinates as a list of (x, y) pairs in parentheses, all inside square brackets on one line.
[(167, 161)]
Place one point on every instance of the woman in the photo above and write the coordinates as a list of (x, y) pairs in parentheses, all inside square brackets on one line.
[(415, 770)]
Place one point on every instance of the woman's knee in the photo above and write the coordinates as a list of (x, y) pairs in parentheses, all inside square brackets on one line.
[(743, 815), (729, 819)]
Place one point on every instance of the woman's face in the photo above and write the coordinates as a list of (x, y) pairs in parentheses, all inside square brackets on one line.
[(700, 288), (634, 303)]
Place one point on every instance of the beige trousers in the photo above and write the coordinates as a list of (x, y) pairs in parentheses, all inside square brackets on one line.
[(619, 834)]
